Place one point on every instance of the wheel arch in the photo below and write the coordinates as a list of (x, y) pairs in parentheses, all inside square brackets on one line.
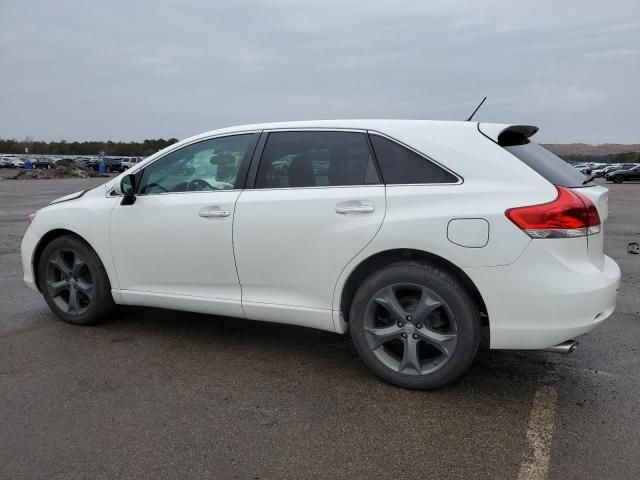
[(384, 258), (46, 239)]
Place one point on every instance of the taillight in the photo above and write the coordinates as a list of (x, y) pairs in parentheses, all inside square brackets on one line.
[(570, 215)]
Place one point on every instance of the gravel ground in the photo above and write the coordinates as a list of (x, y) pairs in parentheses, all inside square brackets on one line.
[(163, 394)]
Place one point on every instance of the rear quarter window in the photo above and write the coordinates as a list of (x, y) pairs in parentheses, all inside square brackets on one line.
[(401, 166), (548, 165)]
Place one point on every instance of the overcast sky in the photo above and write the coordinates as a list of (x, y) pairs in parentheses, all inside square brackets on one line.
[(129, 70)]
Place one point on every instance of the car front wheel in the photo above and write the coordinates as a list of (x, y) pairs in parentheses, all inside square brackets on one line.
[(415, 325), (74, 282)]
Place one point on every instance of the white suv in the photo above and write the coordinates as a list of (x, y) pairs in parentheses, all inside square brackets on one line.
[(415, 236), (128, 162)]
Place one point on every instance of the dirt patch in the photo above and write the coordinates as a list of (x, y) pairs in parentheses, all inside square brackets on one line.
[(60, 169)]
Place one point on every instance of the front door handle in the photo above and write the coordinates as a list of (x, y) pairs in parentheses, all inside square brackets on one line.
[(214, 211), (355, 206)]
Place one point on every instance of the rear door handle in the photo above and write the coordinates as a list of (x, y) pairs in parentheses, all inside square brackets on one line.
[(214, 211), (355, 206)]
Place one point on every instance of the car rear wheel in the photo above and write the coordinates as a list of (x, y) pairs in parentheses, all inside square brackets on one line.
[(415, 325), (74, 282)]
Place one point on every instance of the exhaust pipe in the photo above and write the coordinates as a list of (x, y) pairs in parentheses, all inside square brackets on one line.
[(565, 347)]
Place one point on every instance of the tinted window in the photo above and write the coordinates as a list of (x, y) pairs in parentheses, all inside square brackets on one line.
[(399, 165), (316, 159), (548, 165), (209, 165)]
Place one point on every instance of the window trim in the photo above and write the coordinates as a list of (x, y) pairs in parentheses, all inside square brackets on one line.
[(240, 178), (262, 142), (460, 180)]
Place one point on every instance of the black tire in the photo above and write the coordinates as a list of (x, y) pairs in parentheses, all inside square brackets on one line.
[(85, 280), (462, 321), (618, 179)]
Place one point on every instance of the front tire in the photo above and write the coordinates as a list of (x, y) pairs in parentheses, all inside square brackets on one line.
[(74, 282), (414, 325), (618, 179)]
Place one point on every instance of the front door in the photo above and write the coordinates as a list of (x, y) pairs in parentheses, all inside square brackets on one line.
[(173, 246)]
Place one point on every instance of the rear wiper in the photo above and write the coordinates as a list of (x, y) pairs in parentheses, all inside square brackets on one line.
[(589, 179)]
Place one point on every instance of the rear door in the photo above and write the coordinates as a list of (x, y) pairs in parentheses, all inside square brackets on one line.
[(317, 201)]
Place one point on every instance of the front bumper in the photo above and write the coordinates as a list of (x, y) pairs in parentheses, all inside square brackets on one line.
[(544, 298), (27, 249)]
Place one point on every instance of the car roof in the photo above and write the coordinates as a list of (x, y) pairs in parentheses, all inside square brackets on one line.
[(347, 124), (491, 130)]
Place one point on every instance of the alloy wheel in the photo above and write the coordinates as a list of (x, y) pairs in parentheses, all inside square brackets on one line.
[(69, 282), (410, 329)]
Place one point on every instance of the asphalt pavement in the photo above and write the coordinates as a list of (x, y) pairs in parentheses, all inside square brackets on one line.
[(164, 394)]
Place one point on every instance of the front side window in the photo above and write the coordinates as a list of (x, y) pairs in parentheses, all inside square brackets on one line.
[(401, 166), (208, 165), (316, 159)]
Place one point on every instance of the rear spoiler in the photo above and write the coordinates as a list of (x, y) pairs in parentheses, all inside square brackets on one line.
[(507, 135)]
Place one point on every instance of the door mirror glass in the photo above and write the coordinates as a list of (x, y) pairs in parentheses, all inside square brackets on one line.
[(127, 185)]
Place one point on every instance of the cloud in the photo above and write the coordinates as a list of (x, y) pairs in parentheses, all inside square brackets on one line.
[(134, 70), (614, 53), (567, 97)]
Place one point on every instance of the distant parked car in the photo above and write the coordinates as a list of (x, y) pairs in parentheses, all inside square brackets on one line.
[(128, 162), (600, 172), (114, 165), (17, 163), (620, 176), (92, 163), (5, 162), (40, 163)]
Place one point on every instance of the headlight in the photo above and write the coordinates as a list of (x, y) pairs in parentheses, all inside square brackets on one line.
[(31, 218)]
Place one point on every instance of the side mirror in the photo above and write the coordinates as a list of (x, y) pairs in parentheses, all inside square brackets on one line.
[(127, 188)]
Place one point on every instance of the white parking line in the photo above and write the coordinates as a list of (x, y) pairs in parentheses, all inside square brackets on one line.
[(535, 464)]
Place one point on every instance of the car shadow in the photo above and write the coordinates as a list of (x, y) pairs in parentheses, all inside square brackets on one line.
[(316, 349)]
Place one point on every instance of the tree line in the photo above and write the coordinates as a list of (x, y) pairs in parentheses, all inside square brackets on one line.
[(62, 148), (151, 146)]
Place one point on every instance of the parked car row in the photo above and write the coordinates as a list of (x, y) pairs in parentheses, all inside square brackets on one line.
[(112, 164), (617, 172), (11, 162)]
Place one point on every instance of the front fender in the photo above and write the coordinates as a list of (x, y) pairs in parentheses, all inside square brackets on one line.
[(86, 217)]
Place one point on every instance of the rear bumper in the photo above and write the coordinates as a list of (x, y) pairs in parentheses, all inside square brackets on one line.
[(545, 298)]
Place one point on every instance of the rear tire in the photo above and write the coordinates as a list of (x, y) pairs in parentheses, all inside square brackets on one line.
[(415, 325), (74, 282)]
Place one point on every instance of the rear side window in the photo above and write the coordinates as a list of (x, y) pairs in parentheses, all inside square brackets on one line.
[(316, 159), (399, 165), (548, 165)]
